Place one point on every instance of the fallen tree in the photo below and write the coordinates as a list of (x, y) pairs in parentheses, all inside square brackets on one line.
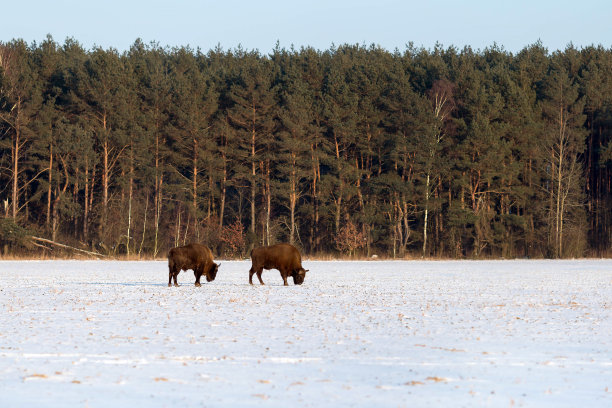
[(35, 241)]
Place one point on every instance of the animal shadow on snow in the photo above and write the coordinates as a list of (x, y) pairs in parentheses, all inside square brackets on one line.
[(165, 285), (188, 282), (142, 284)]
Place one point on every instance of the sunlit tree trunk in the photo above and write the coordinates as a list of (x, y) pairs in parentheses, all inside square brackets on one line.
[(253, 175), (15, 153), (159, 178), (130, 197), (268, 192), (440, 95), (223, 189), (49, 188)]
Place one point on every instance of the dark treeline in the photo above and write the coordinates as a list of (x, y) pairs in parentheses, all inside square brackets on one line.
[(439, 152)]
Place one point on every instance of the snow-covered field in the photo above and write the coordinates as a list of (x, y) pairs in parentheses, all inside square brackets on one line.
[(387, 334)]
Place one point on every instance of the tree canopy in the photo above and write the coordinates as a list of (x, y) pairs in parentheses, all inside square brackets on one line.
[(422, 152)]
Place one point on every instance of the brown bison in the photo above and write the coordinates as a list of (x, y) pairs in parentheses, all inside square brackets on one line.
[(284, 257), (195, 257)]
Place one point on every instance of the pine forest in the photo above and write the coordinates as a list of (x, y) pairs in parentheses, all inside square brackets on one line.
[(353, 151)]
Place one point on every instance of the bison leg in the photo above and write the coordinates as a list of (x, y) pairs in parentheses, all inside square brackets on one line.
[(198, 274), (253, 271), (173, 274), (284, 274), (258, 271)]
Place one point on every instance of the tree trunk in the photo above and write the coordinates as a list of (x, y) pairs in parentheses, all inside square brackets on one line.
[(292, 198), (158, 207), (89, 188), (268, 202), (223, 191), (293, 194), (144, 226), (75, 200), (158, 194), (194, 186), (253, 183), (560, 163), (49, 189), (130, 196), (426, 215), (177, 230), (15, 151), (314, 227), (338, 198), (58, 197), (105, 176), (54, 216)]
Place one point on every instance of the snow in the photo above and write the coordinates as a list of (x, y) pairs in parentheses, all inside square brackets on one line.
[(376, 334)]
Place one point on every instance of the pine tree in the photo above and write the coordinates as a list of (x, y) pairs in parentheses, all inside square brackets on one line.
[(295, 137), (151, 66), (194, 104), (252, 112), (20, 104), (340, 112), (101, 95), (562, 143), (430, 143), (596, 83)]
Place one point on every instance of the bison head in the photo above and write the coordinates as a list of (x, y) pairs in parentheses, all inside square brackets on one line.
[(299, 275), (212, 272)]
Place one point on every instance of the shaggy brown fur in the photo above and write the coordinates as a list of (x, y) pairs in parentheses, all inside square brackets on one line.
[(284, 257), (195, 257)]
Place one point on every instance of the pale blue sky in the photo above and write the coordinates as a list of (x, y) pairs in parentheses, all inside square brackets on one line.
[(258, 24)]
